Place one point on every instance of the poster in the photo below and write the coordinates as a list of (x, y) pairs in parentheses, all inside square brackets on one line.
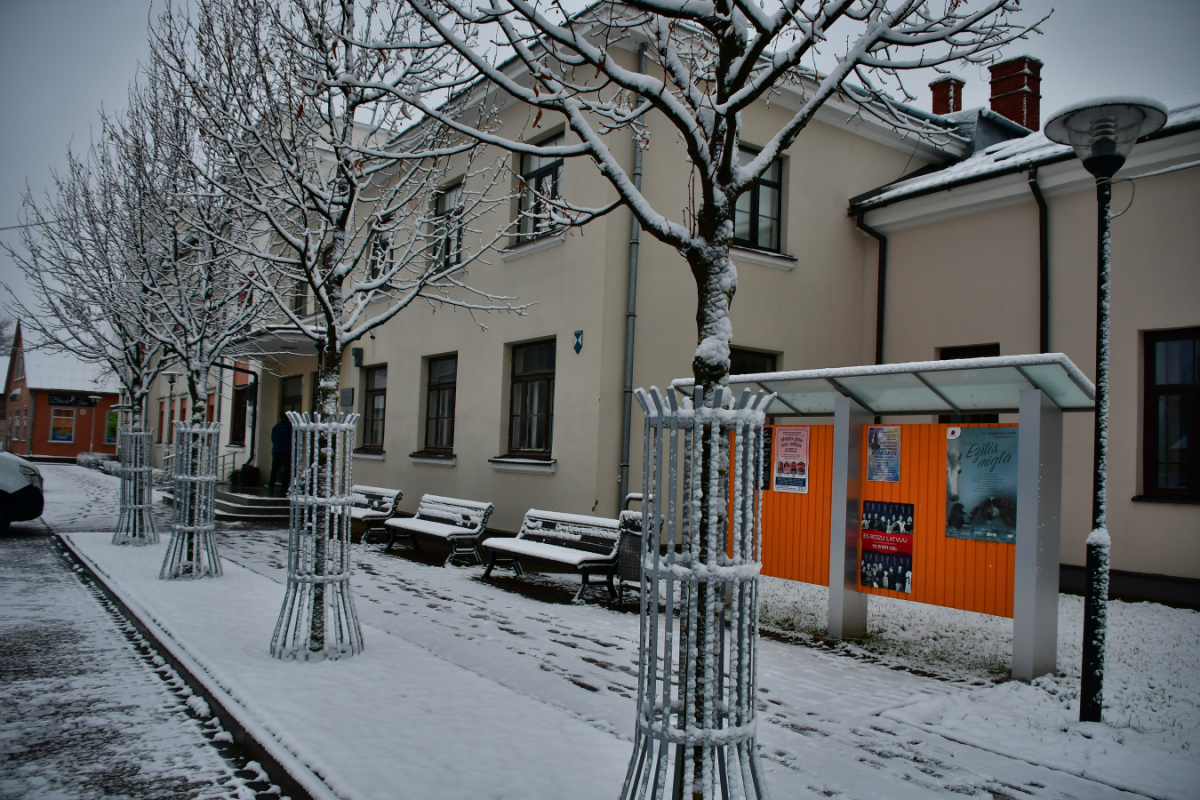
[(766, 470), (887, 546), (62, 425), (790, 454), (883, 453), (110, 427), (981, 484)]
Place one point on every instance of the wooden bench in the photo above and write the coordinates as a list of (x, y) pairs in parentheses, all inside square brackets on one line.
[(373, 506), (586, 544), (457, 522)]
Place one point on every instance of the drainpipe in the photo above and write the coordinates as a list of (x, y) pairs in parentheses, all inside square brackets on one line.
[(635, 230), (881, 291), (1043, 261)]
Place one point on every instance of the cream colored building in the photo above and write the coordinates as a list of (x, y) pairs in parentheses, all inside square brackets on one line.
[(962, 269)]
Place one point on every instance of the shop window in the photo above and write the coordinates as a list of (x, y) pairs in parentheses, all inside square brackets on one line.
[(750, 362), (541, 182), (756, 217), (449, 225), (374, 407), (1171, 470), (291, 395), (531, 425), (237, 416), (968, 351), (62, 425), (111, 422), (439, 408)]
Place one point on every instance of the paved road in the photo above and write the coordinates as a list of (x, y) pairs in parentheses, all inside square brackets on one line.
[(87, 709)]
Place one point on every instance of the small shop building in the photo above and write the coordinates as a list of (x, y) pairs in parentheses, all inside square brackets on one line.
[(57, 405)]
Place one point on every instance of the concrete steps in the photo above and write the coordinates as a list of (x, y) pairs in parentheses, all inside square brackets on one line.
[(239, 507)]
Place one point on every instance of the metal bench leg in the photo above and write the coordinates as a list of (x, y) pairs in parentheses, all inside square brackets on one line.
[(583, 584), (487, 573), (612, 590)]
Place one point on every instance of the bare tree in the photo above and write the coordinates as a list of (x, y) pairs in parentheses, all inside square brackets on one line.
[(85, 251), (709, 62), (346, 228)]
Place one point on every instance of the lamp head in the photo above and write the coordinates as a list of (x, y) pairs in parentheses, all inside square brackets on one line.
[(1103, 131)]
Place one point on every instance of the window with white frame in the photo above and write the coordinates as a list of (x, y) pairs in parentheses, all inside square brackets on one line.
[(62, 425), (756, 217), (449, 224), (541, 182)]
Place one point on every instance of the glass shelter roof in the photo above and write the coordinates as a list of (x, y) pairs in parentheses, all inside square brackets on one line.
[(962, 386)]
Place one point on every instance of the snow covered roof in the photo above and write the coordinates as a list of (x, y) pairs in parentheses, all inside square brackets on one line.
[(62, 371), (1015, 155), (958, 386)]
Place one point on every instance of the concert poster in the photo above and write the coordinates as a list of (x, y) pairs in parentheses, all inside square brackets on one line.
[(883, 453), (886, 558), (790, 455), (981, 484)]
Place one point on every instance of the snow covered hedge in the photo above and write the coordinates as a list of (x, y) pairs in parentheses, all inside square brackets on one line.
[(95, 460)]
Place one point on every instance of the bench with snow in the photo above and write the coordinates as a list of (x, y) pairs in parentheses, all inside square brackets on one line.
[(373, 506), (586, 544), (457, 522)]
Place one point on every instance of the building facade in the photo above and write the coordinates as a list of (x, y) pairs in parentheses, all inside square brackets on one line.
[(526, 410), (57, 406)]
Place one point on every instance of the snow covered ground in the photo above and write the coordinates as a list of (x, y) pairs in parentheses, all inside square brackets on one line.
[(471, 689)]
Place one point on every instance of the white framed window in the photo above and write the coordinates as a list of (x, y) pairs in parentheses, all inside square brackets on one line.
[(62, 425)]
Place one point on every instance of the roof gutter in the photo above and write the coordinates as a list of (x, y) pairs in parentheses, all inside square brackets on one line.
[(881, 290)]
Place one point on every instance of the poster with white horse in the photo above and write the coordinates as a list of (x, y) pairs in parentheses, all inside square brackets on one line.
[(981, 484)]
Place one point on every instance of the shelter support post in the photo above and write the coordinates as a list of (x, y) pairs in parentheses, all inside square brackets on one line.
[(1039, 520), (847, 606)]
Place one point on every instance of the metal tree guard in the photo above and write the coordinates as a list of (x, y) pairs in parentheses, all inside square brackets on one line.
[(318, 619), (135, 525), (192, 551), (698, 671)]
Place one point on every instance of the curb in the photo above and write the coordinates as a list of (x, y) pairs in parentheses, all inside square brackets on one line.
[(282, 767)]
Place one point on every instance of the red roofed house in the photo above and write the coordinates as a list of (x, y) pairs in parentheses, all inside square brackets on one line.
[(58, 406)]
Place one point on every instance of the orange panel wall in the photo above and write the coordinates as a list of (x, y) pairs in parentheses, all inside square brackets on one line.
[(958, 573), (796, 526)]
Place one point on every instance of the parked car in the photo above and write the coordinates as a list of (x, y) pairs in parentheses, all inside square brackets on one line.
[(20, 490)]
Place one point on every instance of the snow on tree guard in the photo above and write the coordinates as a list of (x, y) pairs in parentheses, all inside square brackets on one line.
[(698, 671), (318, 619), (192, 551), (135, 525)]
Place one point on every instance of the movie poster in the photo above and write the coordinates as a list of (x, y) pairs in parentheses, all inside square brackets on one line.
[(887, 546), (981, 484), (883, 453), (790, 453)]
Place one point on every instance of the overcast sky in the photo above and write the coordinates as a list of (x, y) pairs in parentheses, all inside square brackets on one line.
[(61, 60)]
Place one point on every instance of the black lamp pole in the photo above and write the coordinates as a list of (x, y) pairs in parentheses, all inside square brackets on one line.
[(1102, 133)]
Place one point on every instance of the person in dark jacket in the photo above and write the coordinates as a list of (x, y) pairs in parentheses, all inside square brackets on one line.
[(281, 454)]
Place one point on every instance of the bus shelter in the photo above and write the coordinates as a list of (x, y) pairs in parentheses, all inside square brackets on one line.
[(957, 514)]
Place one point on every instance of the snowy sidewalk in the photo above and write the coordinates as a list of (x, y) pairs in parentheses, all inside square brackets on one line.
[(470, 689)]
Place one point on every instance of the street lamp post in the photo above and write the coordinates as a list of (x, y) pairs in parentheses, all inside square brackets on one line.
[(95, 398), (1102, 132)]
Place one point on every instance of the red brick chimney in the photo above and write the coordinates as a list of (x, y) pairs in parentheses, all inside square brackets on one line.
[(947, 94), (1017, 90)]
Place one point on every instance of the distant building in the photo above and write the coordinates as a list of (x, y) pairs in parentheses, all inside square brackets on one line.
[(57, 406)]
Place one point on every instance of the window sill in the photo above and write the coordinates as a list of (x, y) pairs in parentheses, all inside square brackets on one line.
[(525, 466), (764, 257), (433, 459), (237, 447), (370, 455), (527, 248), (1153, 498)]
